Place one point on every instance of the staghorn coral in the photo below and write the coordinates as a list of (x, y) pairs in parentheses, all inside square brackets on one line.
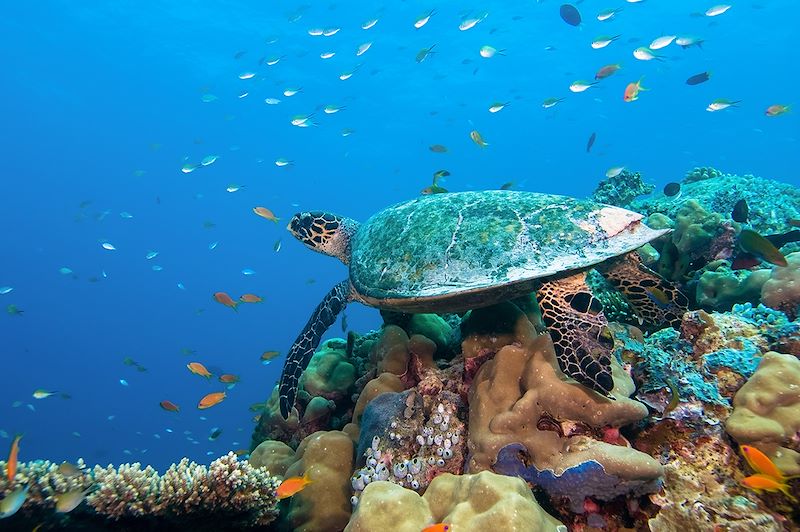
[(44, 481), (227, 491), (767, 411), (483, 501), (782, 290)]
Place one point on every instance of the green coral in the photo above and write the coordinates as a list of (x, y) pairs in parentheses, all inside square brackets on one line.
[(434, 327), (329, 374), (621, 189), (719, 287)]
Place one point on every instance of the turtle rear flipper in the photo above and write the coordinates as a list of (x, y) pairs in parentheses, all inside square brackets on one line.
[(303, 348), (658, 302), (575, 321)]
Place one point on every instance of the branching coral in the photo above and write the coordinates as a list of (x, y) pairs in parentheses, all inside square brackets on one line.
[(229, 490)]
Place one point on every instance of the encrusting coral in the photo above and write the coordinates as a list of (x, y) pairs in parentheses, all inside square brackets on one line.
[(228, 492), (483, 501), (767, 411)]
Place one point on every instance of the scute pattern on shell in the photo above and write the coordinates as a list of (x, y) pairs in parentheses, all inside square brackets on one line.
[(446, 243)]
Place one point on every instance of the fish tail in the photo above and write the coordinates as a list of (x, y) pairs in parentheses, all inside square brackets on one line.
[(785, 489)]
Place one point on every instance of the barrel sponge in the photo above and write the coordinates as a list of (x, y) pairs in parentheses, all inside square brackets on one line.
[(766, 410), (782, 289), (484, 501)]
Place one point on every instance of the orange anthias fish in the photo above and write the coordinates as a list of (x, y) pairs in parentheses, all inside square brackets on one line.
[(767, 483), (292, 485), (198, 369), (266, 214), (760, 462), (266, 356), (225, 299), (776, 110), (210, 400), (438, 527), (250, 298), (632, 91), (11, 465), (228, 378), (169, 406)]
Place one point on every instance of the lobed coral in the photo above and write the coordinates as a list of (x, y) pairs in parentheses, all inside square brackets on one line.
[(782, 290), (767, 411), (719, 287), (324, 504), (525, 419), (483, 501)]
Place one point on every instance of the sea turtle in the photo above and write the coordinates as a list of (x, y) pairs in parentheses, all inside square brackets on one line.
[(458, 251)]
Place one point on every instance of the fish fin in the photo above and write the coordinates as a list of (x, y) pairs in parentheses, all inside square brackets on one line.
[(785, 490)]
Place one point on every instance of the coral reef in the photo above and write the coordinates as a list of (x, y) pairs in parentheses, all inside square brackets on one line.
[(772, 204), (767, 411), (225, 493), (526, 420), (621, 189), (483, 501)]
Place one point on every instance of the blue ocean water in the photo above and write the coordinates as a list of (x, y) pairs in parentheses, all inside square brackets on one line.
[(103, 105)]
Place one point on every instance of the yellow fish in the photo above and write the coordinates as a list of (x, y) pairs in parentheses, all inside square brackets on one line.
[(477, 138)]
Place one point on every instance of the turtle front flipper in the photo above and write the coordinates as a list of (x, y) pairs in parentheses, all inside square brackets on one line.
[(575, 321), (658, 302), (303, 348)]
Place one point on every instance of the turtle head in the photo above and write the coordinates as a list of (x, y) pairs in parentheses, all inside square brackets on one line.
[(324, 232)]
